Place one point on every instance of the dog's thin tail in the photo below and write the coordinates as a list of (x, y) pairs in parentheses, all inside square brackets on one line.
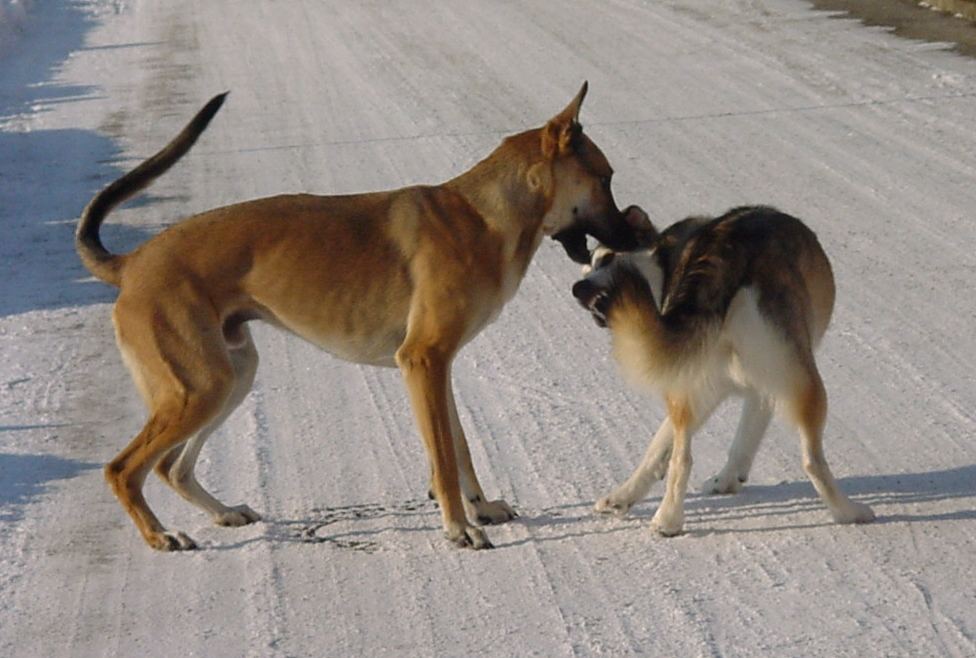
[(96, 258)]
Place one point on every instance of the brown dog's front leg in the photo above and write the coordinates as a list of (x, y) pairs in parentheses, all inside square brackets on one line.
[(426, 373), (477, 507)]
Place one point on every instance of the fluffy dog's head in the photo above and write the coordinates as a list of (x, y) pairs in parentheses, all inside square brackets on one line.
[(610, 273)]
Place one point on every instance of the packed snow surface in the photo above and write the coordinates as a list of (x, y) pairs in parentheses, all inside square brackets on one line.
[(700, 105)]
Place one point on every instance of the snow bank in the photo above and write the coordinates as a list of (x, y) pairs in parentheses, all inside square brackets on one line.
[(13, 14)]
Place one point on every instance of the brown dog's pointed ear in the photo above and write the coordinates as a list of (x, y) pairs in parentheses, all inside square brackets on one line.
[(558, 135), (571, 112)]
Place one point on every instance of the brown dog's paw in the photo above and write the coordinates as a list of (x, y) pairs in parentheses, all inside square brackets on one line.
[(171, 541), (469, 537)]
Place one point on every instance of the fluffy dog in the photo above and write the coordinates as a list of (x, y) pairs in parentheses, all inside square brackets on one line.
[(734, 304)]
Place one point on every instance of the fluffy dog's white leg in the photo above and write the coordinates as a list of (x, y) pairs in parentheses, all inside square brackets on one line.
[(756, 414), (651, 469)]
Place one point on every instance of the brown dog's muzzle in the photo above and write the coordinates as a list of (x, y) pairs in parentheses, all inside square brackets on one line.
[(573, 240), (619, 231)]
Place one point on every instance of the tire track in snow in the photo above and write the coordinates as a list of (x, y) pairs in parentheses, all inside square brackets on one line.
[(262, 563), (583, 635), (386, 411)]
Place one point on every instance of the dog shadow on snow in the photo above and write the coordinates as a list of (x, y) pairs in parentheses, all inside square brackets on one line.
[(896, 498), (47, 175), (24, 477)]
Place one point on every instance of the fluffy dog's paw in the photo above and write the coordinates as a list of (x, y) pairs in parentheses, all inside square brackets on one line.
[(466, 536), (237, 516), (853, 513), (612, 505), (492, 512), (171, 541), (668, 524), (723, 483)]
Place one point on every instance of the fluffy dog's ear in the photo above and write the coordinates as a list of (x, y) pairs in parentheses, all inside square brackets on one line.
[(561, 130), (638, 222)]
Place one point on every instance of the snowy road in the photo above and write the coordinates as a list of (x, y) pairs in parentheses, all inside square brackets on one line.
[(699, 105)]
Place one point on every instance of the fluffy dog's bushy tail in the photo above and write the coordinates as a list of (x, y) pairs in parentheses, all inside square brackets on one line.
[(95, 257), (663, 351)]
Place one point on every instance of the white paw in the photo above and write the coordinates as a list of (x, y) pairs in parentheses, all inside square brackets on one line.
[(491, 512), (667, 523), (853, 513), (237, 516), (612, 504), (723, 483)]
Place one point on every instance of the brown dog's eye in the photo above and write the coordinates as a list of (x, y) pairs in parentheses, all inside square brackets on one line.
[(605, 182)]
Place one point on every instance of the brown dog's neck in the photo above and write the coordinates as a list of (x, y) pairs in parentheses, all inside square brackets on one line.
[(499, 188)]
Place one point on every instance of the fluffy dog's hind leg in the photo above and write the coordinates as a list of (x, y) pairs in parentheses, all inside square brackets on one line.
[(809, 409), (756, 414)]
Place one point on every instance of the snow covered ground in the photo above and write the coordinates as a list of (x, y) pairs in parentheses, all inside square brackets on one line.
[(700, 105)]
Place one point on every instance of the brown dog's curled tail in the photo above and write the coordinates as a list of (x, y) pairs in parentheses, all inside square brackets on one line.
[(95, 257)]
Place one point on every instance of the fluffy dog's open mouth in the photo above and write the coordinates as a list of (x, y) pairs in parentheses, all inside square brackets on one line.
[(594, 299)]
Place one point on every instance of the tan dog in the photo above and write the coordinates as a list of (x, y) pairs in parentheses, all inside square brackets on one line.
[(400, 278)]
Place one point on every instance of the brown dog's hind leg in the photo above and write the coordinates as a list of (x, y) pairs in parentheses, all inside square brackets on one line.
[(126, 474), (181, 367), (169, 425), (176, 467)]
